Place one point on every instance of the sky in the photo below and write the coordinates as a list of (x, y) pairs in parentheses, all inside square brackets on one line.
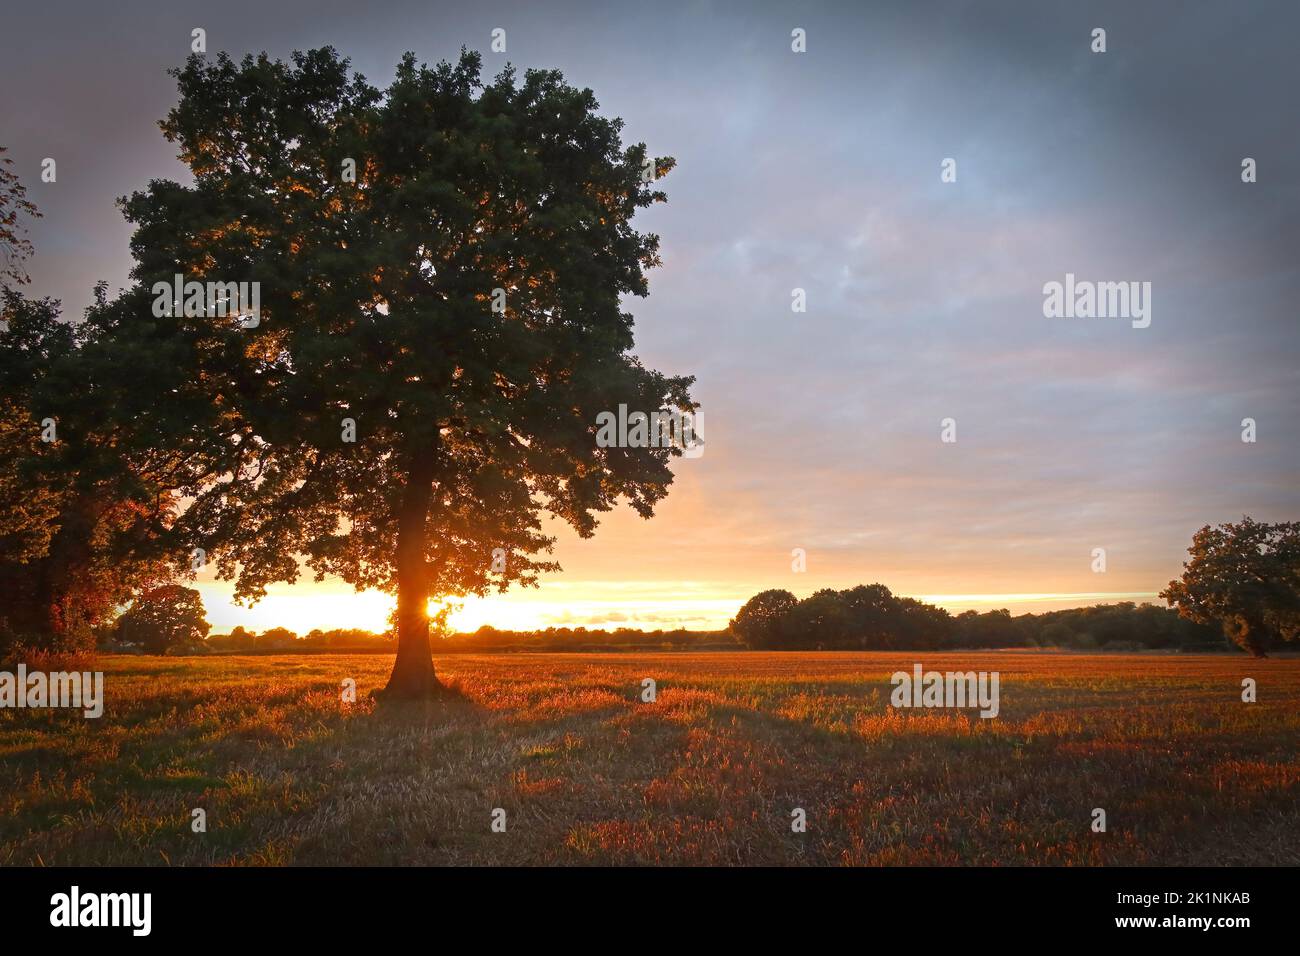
[(821, 171)]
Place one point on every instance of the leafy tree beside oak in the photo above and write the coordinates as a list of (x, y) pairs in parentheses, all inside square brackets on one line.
[(81, 528), (1244, 577), (84, 525), (442, 266)]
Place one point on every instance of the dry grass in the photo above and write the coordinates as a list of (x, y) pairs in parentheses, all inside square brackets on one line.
[(588, 774)]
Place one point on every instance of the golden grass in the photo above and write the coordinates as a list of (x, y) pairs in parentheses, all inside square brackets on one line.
[(709, 774)]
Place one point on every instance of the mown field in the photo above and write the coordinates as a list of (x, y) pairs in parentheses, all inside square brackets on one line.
[(589, 774)]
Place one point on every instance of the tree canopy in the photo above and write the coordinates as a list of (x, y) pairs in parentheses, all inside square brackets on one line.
[(164, 618), (84, 525), (1244, 577)]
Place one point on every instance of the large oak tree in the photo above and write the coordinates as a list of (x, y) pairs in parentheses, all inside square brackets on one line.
[(442, 268)]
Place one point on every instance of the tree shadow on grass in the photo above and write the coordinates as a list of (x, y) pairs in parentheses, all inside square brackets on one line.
[(450, 703)]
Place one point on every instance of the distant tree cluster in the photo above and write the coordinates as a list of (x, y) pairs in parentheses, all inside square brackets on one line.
[(870, 617), (867, 617)]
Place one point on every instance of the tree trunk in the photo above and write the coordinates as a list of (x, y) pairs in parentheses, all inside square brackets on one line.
[(1249, 636), (413, 676)]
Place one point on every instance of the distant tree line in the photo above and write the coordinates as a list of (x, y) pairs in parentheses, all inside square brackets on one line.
[(242, 640), (488, 638), (146, 629), (186, 640), (871, 618)]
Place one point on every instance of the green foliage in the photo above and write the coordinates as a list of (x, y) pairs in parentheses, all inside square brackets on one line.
[(1118, 627), (163, 619), (867, 617), (767, 620), (32, 339), (990, 629), (82, 528), (1244, 577)]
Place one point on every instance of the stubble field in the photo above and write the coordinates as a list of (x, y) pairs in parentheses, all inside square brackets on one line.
[(587, 773)]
